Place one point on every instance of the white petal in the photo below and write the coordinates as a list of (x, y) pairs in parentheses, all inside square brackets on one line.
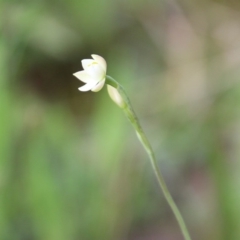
[(87, 86), (99, 86), (86, 63), (96, 71), (100, 60), (83, 76)]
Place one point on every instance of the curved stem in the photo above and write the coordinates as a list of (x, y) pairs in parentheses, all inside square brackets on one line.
[(143, 139)]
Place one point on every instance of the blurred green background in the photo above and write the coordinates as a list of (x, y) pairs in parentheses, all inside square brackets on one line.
[(71, 167)]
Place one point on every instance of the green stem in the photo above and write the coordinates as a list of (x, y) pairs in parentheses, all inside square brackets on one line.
[(143, 139)]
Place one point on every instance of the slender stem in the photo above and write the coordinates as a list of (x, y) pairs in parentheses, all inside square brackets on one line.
[(143, 139)]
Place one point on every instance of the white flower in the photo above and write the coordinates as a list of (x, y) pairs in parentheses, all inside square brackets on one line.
[(94, 73), (115, 96)]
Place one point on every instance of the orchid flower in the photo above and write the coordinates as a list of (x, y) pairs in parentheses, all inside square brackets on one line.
[(94, 73)]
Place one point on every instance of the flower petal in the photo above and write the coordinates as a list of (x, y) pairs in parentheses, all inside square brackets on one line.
[(96, 71), (86, 63), (100, 60), (99, 86), (83, 76), (87, 86)]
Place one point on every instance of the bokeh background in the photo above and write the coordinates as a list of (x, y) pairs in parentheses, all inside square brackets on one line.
[(71, 167)]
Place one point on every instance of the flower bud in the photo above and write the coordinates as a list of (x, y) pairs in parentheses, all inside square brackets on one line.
[(115, 96)]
